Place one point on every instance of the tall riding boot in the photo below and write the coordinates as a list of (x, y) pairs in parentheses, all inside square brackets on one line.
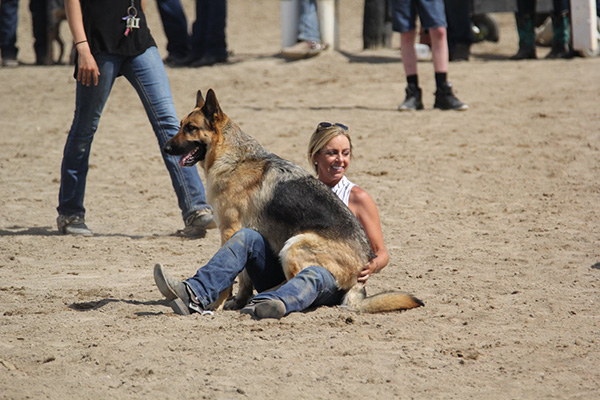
[(525, 28), (560, 40)]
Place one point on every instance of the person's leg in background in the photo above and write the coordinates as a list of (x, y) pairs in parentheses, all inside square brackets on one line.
[(308, 24), (176, 30), (9, 18), (209, 44), (525, 19), (147, 74), (460, 33), (404, 21), (413, 100), (309, 36), (39, 20), (433, 19), (561, 29), (432, 15)]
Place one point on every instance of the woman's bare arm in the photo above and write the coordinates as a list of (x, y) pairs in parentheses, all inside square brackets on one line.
[(365, 209), (87, 69)]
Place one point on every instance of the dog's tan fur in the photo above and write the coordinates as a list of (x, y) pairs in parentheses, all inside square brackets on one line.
[(302, 220)]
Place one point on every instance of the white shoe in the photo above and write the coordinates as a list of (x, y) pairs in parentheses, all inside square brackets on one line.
[(303, 49)]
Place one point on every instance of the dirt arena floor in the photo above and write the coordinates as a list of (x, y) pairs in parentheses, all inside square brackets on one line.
[(491, 216)]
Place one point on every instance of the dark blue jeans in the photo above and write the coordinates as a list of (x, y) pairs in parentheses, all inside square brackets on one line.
[(39, 21), (9, 18), (175, 26), (208, 31), (313, 286), (147, 75)]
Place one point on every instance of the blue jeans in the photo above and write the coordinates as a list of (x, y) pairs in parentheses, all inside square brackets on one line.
[(175, 26), (39, 21), (308, 25), (208, 31), (9, 18), (147, 75), (248, 249), (312, 287)]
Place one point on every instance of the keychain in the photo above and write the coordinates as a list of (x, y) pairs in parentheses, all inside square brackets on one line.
[(131, 21)]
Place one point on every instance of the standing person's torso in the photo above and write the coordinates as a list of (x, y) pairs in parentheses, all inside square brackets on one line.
[(105, 24)]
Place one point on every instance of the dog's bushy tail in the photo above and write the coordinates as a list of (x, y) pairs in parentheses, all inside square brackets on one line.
[(387, 301)]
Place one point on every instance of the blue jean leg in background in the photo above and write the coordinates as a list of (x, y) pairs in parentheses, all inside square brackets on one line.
[(245, 249), (308, 26), (148, 76), (209, 29), (312, 287), (9, 18), (175, 26), (39, 22)]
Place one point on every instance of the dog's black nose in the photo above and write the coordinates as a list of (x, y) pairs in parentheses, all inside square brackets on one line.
[(167, 148)]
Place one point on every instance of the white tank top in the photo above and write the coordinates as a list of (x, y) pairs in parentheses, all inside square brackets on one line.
[(343, 189)]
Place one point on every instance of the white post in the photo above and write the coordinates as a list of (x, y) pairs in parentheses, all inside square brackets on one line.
[(584, 26), (328, 22), (290, 16)]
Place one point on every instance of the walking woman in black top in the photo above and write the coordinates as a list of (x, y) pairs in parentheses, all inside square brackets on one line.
[(112, 39)]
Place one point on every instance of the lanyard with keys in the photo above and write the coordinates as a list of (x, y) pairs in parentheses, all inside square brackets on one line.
[(131, 20)]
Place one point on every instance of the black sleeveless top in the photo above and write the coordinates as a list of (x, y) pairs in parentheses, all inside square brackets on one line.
[(105, 27)]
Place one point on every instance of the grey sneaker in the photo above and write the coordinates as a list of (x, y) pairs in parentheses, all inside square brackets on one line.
[(73, 225), (197, 224), (412, 101), (265, 308), (173, 290)]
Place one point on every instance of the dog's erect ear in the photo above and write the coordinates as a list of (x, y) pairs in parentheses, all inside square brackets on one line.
[(211, 108), (199, 99)]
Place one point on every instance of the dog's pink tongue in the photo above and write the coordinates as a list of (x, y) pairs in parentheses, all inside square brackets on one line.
[(182, 160)]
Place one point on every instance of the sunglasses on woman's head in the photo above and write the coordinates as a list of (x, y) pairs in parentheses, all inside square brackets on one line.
[(328, 124)]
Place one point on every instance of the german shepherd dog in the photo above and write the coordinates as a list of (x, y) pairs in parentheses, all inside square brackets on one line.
[(300, 217)]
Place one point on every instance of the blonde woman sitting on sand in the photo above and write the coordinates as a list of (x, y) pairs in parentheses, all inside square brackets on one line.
[(330, 150)]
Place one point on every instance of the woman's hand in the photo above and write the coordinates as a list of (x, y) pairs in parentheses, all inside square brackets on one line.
[(87, 68), (371, 268)]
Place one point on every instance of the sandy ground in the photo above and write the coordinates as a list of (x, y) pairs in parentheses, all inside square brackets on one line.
[(491, 218)]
